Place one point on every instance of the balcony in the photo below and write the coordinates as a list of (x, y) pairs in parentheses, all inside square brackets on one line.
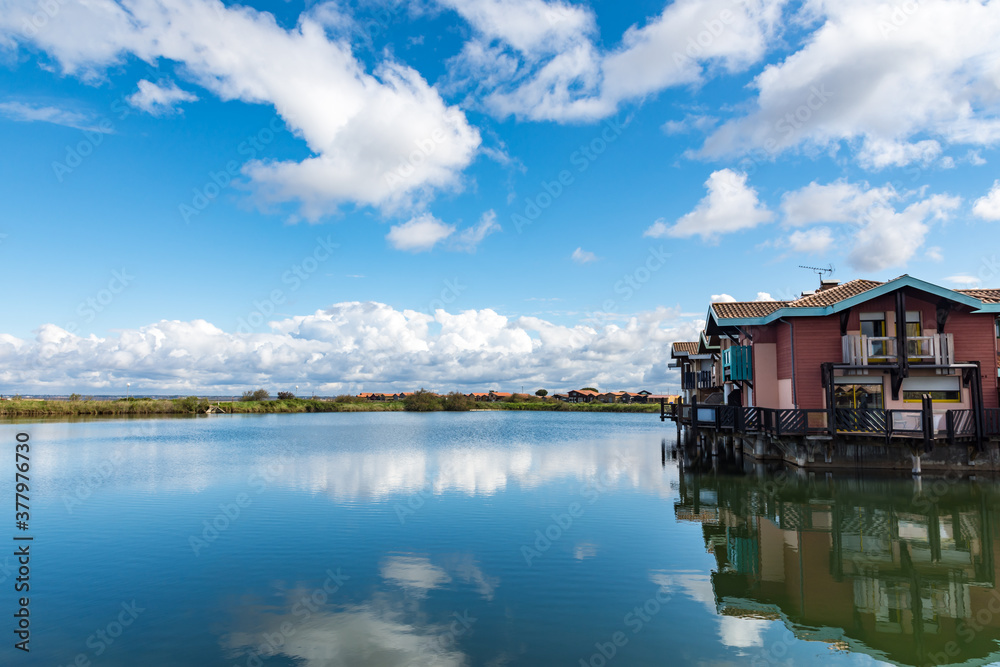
[(706, 379), (859, 350), (689, 380), (737, 364)]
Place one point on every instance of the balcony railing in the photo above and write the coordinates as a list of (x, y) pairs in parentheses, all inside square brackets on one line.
[(706, 379), (860, 350), (737, 364), (689, 380)]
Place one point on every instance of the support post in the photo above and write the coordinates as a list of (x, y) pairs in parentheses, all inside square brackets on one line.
[(694, 415), (927, 419)]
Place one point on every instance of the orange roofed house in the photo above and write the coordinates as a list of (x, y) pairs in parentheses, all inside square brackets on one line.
[(858, 357)]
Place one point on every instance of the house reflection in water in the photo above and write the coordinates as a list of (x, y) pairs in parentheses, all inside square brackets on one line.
[(902, 572)]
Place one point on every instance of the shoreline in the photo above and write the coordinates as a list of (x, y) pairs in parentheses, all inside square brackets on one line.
[(193, 406)]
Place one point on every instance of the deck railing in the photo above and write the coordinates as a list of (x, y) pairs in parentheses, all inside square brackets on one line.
[(952, 425)]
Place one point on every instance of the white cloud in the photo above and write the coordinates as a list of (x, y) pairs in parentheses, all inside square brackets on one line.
[(581, 256), (470, 238), (894, 89), (934, 254), (890, 237), (816, 241), (416, 574), (987, 207), (764, 296), (839, 201), (384, 138), (529, 26), (730, 206), (419, 234), (690, 122), (540, 59), (964, 280), (353, 345), (30, 113), (723, 298), (159, 100), (883, 235)]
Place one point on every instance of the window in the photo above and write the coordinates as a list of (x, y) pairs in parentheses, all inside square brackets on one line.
[(858, 396), (937, 396), (946, 389), (873, 326), (916, 349)]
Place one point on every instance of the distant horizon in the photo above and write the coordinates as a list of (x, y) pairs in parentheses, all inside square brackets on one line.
[(201, 196)]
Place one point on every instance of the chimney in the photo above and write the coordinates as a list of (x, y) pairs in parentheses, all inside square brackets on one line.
[(827, 283)]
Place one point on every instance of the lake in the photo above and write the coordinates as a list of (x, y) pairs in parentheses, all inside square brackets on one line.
[(488, 538)]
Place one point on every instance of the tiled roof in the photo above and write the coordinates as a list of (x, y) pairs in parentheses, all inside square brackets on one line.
[(689, 348), (984, 295), (739, 309), (819, 299), (833, 295), (585, 392), (823, 298)]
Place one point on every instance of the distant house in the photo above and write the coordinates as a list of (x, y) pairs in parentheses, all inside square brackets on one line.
[(479, 395), (612, 397), (581, 396), (560, 397), (372, 396), (499, 395)]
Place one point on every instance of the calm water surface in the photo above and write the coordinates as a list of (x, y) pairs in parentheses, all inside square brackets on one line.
[(480, 539)]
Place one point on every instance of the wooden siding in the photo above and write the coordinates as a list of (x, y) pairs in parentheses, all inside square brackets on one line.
[(975, 340), (783, 337), (817, 341)]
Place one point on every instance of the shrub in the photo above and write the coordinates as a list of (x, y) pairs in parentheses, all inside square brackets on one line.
[(542, 392), (457, 402), (422, 401), (258, 395), (285, 395), (74, 397)]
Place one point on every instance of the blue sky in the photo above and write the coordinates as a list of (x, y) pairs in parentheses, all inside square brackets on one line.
[(467, 193)]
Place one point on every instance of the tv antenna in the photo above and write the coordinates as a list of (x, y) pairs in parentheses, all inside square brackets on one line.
[(820, 271)]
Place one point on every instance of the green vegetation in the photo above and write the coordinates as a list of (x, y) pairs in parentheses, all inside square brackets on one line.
[(421, 401), (542, 392), (184, 406), (457, 402), (258, 395)]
